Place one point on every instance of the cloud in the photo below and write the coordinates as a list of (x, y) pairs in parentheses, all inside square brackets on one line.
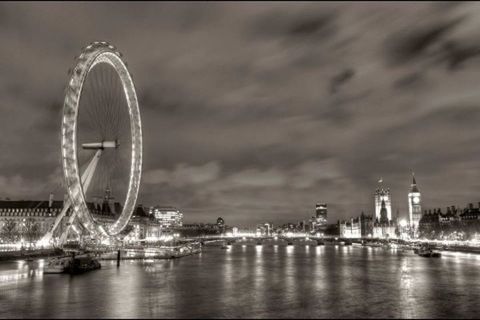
[(340, 79), (183, 175), (256, 112), (413, 43), (309, 173), (255, 178)]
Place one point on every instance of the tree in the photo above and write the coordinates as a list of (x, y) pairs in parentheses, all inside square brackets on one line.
[(9, 231), (31, 230)]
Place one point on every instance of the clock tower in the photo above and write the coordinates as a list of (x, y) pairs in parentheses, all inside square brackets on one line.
[(414, 207)]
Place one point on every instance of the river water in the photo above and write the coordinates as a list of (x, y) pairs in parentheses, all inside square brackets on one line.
[(253, 282)]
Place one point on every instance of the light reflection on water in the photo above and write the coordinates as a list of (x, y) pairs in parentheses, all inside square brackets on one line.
[(253, 281)]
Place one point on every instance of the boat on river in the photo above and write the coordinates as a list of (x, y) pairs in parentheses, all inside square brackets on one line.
[(83, 263), (427, 252), (57, 265), (72, 264), (186, 250)]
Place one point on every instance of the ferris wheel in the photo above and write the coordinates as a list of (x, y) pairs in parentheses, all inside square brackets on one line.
[(101, 142)]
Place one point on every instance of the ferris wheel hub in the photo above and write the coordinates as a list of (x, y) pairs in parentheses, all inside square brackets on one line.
[(100, 145)]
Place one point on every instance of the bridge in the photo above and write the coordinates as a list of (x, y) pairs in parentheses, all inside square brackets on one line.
[(295, 240)]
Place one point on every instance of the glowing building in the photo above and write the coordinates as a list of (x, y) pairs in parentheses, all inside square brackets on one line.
[(384, 228), (31, 219), (168, 217), (321, 213), (382, 194), (351, 229), (414, 207)]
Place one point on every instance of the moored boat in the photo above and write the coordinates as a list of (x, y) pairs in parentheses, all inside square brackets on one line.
[(72, 264), (428, 253), (57, 265), (83, 263)]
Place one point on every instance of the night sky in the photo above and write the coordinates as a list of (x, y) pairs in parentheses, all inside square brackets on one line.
[(257, 111)]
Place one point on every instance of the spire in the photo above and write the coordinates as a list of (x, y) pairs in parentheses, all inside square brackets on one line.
[(381, 189), (414, 184)]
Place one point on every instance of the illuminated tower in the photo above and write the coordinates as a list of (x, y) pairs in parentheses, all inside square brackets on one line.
[(384, 214), (321, 214), (382, 194), (414, 207)]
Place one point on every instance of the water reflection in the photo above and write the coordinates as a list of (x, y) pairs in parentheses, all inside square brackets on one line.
[(253, 281), (21, 270)]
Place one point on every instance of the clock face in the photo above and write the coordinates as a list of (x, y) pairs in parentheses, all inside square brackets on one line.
[(416, 200)]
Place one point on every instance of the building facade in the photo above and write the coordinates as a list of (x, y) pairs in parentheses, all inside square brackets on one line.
[(366, 224), (454, 224), (30, 220), (167, 217), (321, 213), (20, 218), (318, 223), (351, 228), (383, 194), (384, 228)]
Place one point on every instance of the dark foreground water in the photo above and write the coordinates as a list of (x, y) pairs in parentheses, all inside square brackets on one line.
[(251, 281)]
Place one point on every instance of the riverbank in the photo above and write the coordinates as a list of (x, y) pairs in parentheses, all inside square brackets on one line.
[(451, 248), (30, 254), (152, 253), (181, 251), (459, 249), (130, 252)]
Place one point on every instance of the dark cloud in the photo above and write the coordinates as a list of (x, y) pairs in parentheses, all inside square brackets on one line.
[(413, 43), (320, 25), (255, 111), (457, 54), (299, 22), (409, 81), (340, 79)]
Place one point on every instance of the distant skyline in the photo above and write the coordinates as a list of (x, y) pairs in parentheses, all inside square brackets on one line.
[(257, 111)]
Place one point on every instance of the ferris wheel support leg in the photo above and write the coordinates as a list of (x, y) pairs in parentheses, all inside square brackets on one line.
[(86, 179), (48, 236)]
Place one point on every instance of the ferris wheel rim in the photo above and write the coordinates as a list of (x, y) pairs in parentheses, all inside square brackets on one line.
[(96, 53)]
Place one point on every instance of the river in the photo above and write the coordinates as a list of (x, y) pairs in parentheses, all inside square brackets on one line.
[(253, 282)]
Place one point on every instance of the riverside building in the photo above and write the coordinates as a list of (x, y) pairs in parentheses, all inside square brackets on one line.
[(167, 217)]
